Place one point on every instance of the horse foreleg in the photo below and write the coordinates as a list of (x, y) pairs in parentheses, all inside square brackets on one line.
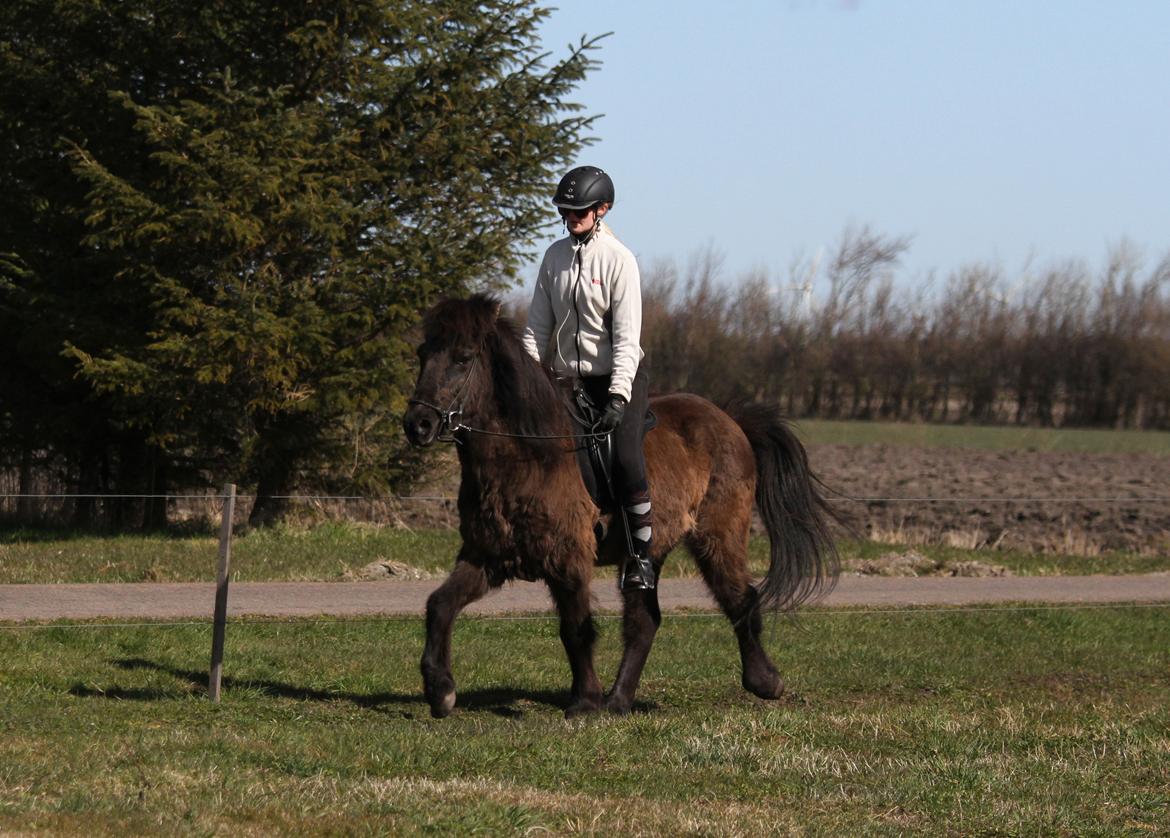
[(640, 620), (578, 635), (464, 585)]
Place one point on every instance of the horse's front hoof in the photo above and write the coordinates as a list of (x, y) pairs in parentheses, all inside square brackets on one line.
[(441, 707)]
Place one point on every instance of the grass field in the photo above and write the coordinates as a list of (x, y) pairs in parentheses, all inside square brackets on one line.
[(326, 552), (338, 551), (1040, 722), (993, 437), (1046, 721)]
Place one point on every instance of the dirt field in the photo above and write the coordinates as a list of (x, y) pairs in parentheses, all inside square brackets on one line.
[(1044, 501)]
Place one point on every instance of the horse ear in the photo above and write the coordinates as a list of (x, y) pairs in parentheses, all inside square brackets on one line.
[(497, 307)]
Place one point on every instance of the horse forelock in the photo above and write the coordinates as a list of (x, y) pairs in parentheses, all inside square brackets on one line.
[(472, 319)]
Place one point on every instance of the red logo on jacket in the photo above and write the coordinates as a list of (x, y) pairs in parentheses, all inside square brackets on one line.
[(596, 281)]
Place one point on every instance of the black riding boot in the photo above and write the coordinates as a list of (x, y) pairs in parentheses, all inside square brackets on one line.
[(638, 573)]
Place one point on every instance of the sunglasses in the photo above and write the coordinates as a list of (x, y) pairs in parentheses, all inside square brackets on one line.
[(580, 213)]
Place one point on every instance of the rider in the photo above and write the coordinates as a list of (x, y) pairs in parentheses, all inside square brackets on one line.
[(588, 303)]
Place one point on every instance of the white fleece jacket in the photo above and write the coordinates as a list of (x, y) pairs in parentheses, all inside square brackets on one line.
[(586, 313)]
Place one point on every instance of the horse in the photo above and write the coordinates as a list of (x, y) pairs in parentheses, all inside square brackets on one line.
[(525, 512)]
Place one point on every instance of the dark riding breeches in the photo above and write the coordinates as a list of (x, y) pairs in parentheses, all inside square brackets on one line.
[(629, 478), (629, 459)]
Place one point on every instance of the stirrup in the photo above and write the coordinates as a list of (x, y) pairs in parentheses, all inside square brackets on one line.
[(638, 574)]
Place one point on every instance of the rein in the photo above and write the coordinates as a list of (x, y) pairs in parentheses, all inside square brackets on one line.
[(451, 419), (485, 432)]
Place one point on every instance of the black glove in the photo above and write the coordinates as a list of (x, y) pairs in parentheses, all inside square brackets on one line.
[(612, 417)]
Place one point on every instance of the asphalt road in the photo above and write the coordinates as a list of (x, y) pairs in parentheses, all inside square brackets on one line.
[(19, 603)]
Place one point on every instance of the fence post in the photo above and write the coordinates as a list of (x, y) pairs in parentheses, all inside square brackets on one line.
[(221, 592)]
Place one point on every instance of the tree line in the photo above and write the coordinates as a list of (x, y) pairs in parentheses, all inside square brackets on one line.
[(843, 339)]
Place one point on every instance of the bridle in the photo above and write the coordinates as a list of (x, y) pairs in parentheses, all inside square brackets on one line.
[(451, 418)]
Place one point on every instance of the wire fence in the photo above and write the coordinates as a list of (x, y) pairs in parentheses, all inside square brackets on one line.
[(1080, 523), (129, 511), (453, 499), (1046, 522)]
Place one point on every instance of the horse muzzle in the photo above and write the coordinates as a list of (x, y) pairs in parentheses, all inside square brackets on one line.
[(422, 425)]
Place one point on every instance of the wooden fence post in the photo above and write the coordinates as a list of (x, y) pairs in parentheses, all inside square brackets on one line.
[(221, 591)]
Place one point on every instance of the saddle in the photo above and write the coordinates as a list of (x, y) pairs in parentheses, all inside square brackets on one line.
[(595, 456)]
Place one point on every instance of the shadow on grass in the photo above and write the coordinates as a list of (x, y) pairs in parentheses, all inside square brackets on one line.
[(506, 702)]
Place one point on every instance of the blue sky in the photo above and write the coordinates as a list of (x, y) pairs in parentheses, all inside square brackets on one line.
[(992, 131)]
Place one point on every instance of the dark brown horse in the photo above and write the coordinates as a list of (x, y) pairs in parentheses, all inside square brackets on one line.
[(524, 512)]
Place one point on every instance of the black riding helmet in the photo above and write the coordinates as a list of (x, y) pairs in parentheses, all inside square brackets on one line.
[(584, 187)]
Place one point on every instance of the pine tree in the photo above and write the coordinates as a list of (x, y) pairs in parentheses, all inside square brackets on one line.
[(245, 207)]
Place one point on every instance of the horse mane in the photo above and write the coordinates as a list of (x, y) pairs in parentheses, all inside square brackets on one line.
[(525, 397)]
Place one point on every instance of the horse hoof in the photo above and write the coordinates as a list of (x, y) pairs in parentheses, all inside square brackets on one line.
[(442, 708), (581, 708), (618, 706), (769, 685)]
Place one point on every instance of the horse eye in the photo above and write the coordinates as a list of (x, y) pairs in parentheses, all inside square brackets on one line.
[(425, 349)]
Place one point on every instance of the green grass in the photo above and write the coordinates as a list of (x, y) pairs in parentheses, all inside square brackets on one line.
[(1076, 440), (325, 552), (334, 552), (1039, 722), (1019, 562), (337, 551)]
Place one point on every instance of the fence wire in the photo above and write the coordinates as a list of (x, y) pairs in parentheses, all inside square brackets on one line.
[(453, 499)]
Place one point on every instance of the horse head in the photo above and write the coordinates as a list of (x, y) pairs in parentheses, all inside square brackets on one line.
[(452, 366), (474, 372)]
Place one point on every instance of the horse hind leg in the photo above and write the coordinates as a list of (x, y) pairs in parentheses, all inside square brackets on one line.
[(722, 561)]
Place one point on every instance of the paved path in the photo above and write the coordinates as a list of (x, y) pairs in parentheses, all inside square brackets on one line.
[(303, 599)]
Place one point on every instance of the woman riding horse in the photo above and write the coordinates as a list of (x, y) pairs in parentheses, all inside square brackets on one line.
[(525, 513), (585, 321)]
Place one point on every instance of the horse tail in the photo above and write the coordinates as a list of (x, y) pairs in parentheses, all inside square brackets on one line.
[(804, 561)]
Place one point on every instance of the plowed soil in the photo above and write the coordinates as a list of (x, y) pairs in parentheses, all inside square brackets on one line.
[(1033, 500)]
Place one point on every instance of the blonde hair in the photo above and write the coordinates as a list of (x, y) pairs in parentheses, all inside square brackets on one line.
[(602, 227)]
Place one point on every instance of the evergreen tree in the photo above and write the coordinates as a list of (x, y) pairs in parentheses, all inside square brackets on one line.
[(222, 220)]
